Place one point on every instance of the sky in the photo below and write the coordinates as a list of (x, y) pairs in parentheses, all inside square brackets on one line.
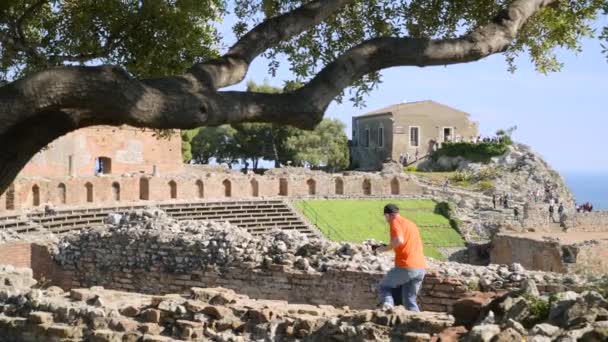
[(561, 115)]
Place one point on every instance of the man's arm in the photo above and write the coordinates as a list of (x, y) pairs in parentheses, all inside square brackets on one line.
[(395, 242)]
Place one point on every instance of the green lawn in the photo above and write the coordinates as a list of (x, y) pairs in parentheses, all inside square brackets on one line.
[(359, 220)]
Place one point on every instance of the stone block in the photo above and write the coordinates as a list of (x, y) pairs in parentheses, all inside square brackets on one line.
[(61, 331), (41, 317), (150, 315)]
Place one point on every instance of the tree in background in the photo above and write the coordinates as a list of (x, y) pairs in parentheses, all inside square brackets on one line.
[(187, 136), (325, 146), (215, 142), (162, 67)]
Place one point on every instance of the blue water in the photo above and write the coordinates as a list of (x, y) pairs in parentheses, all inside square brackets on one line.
[(589, 187)]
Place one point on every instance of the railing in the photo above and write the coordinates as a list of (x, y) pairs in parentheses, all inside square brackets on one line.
[(316, 219)]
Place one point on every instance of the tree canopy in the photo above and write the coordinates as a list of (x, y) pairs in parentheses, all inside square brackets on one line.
[(326, 146), (162, 64)]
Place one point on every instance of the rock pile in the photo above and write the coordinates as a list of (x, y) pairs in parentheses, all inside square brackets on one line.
[(525, 314), (147, 237)]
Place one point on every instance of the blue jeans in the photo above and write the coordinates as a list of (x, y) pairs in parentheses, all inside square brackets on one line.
[(409, 279)]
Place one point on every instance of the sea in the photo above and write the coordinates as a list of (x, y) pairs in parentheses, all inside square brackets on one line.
[(589, 187)]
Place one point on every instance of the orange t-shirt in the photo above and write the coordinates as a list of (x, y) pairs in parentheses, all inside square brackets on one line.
[(409, 254)]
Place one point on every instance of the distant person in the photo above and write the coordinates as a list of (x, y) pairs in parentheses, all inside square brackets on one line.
[(49, 210), (410, 264), (560, 209), (446, 184), (406, 158), (494, 200), (551, 210), (506, 202), (516, 213)]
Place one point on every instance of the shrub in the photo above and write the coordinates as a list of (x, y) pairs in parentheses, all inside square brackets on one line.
[(485, 185), (480, 152), (488, 173), (463, 183), (461, 176), (411, 168), (539, 310), (446, 209)]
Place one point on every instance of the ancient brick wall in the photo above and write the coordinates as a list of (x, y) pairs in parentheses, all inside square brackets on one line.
[(338, 288), (36, 257), (112, 189), (128, 149)]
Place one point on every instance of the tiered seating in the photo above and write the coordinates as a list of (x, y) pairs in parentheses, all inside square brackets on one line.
[(258, 217)]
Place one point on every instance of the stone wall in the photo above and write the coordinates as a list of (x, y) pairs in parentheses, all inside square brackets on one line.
[(573, 252), (32, 192), (592, 222), (338, 288)]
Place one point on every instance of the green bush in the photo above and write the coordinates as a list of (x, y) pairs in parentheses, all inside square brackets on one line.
[(446, 209), (463, 183), (411, 168), (539, 310), (485, 185), (480, 152), (488, 173), (461, 176)]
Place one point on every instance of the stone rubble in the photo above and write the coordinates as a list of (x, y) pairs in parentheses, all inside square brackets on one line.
[(153, 234), (525, 315)]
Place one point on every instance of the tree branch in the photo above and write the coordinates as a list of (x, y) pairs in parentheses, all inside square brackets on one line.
[(232, 67), (381, 53)]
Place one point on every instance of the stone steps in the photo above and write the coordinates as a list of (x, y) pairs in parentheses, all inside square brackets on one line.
[(258, 217)]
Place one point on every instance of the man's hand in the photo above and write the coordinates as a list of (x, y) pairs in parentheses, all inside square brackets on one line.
[(380, 248)]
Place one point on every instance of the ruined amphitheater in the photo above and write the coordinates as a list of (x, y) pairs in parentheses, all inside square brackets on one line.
[(140, 247)]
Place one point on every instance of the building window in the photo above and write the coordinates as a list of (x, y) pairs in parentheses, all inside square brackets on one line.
[(380, 136), (103, 166), (415, 136), (448, 134), (367, 137)]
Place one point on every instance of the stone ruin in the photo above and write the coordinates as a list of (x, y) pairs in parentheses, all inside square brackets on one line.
[(146, 277)]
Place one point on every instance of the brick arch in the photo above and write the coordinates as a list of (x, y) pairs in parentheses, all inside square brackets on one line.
[(9, 198), (339, 186), (62, 193), (88, 186), (283, 187), (200, 189), (255, 187), (116, 191), (172, 189), (366, 186), (395, 186), (35, 195), (227, 184), (311, 184), (144, 188)]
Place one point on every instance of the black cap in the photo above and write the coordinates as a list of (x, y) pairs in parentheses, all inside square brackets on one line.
[(391, 209)]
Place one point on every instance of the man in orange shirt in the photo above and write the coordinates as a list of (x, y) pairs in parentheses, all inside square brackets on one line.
[(410, 263)]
